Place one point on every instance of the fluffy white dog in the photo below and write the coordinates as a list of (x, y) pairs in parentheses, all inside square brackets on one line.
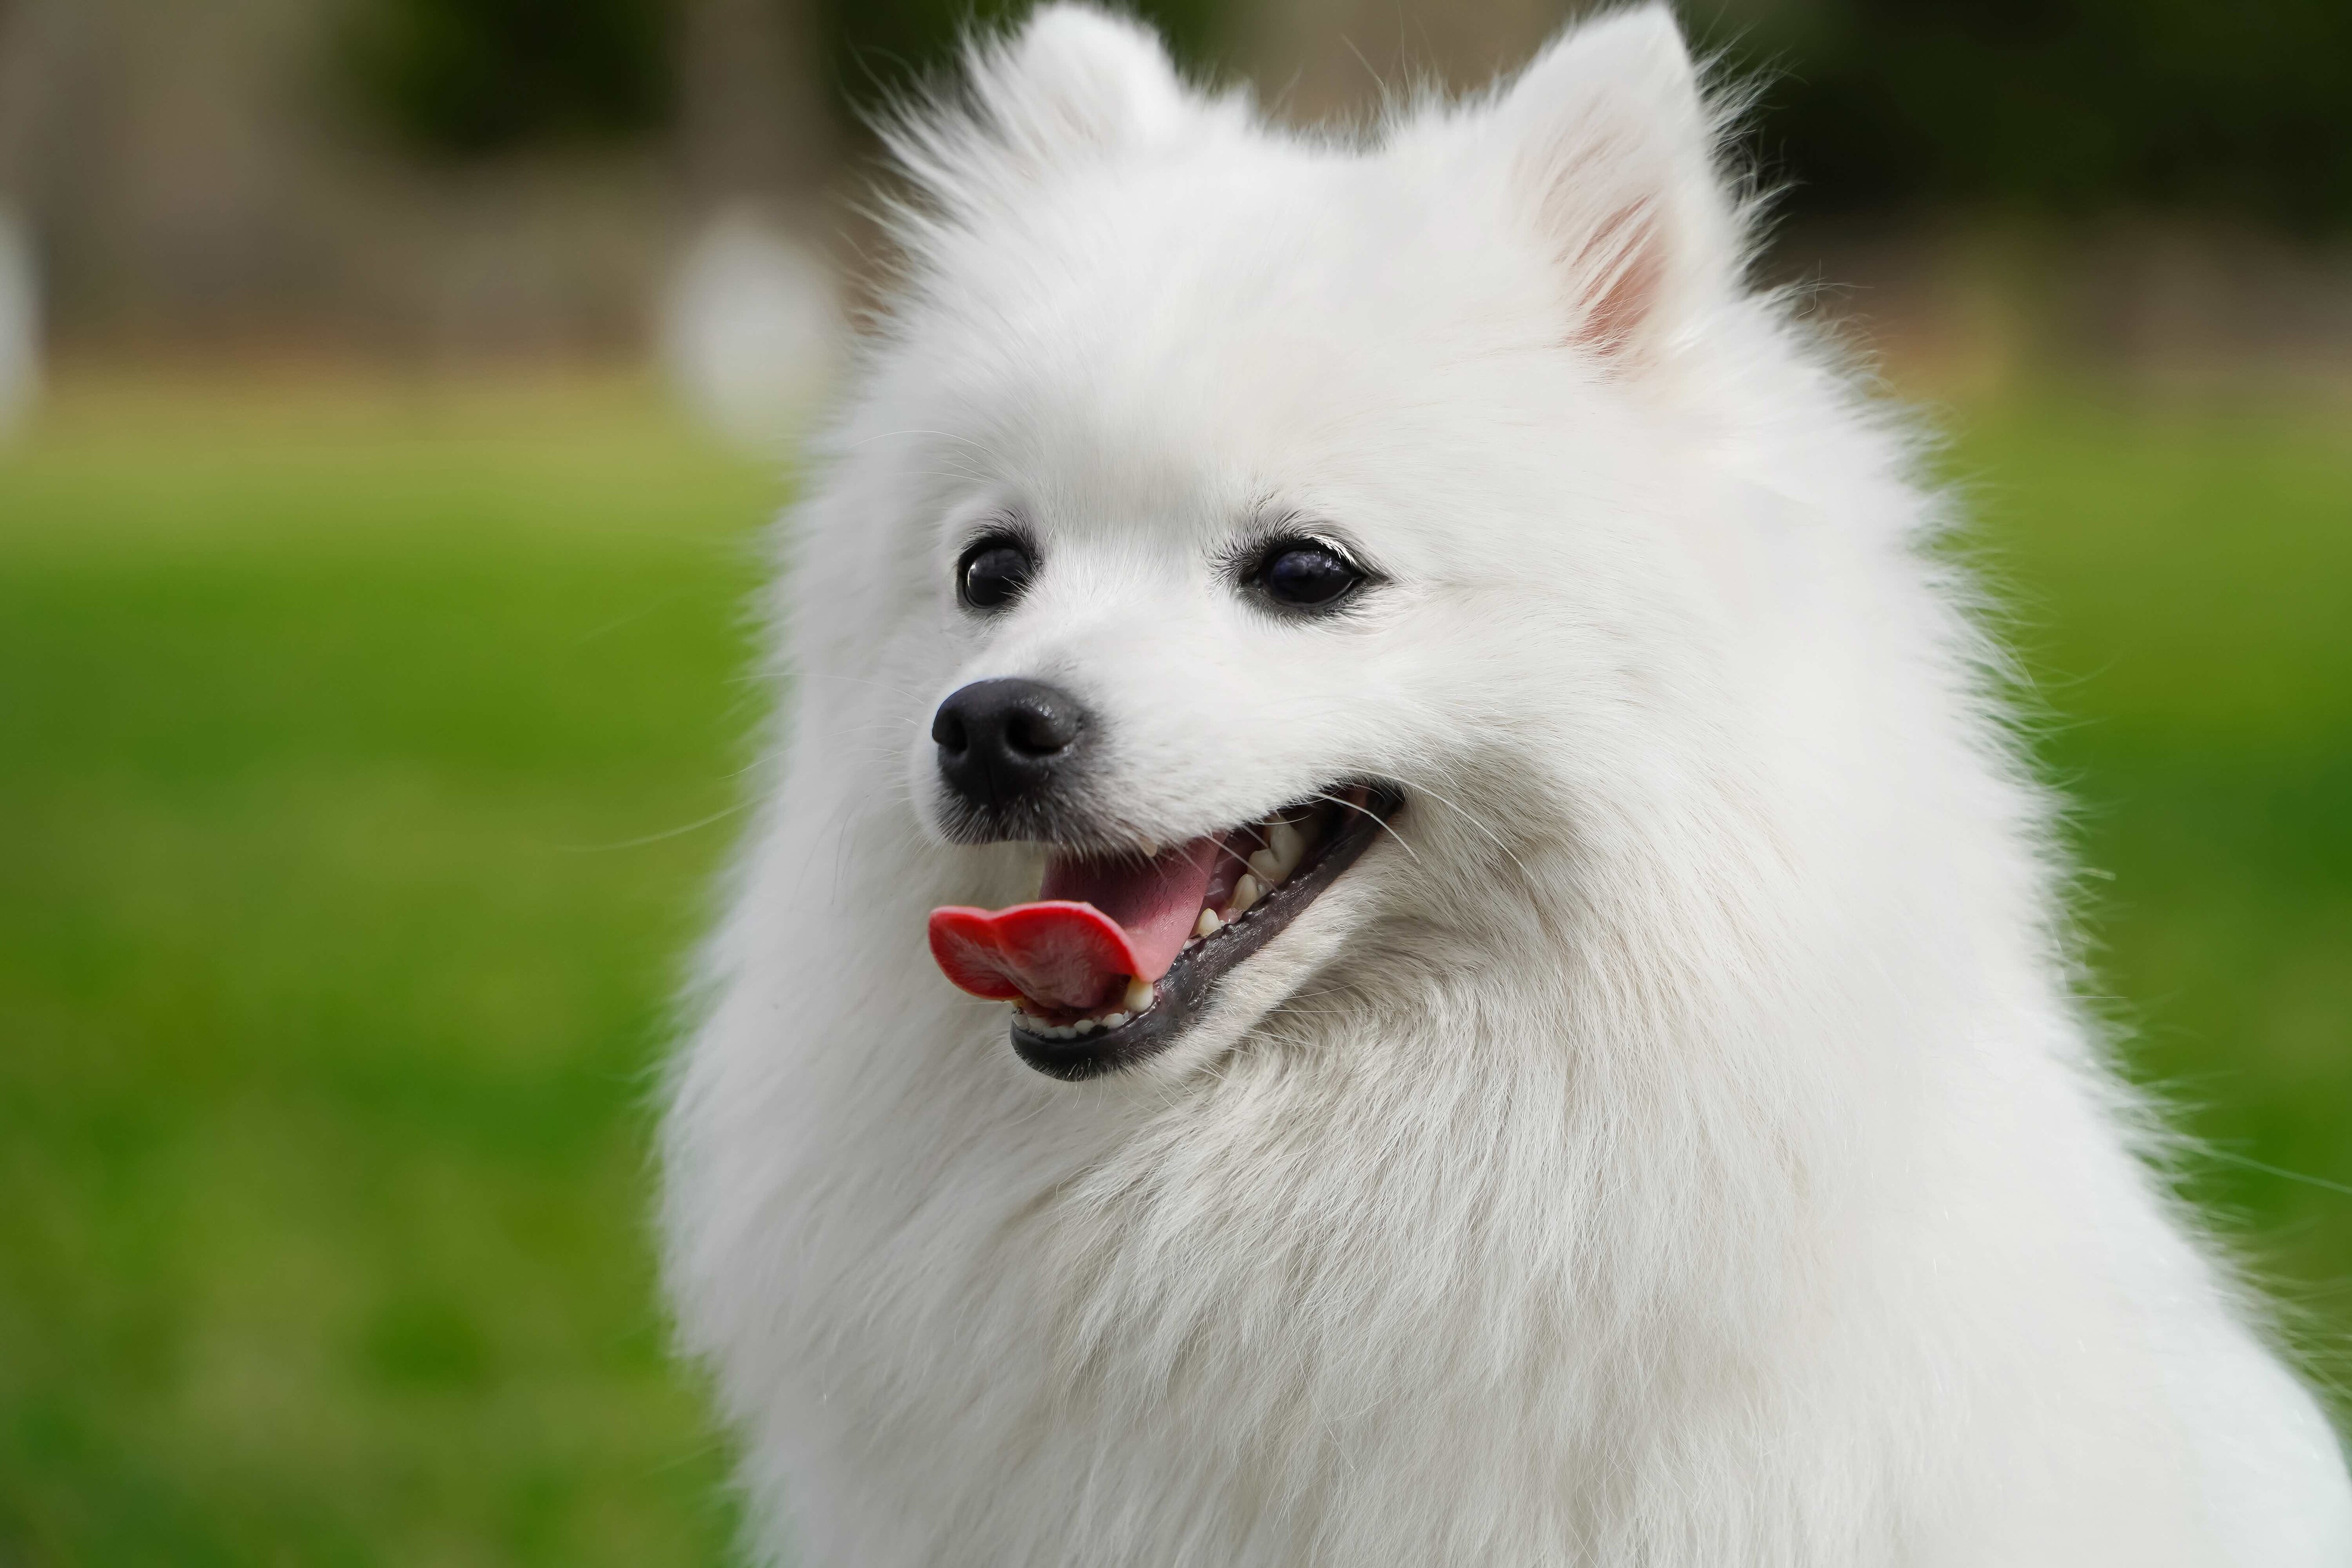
[(1542, 1025)]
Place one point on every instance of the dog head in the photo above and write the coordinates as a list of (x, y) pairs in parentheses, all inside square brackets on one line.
[(1281, 540)]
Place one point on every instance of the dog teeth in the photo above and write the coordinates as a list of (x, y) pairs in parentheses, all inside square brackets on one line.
[(1041, 1027), (1284, 846), (1287, 844), (1047, 1030), (1287, 847)]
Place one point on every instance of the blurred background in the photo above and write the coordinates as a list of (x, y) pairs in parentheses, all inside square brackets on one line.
[(392, 393)]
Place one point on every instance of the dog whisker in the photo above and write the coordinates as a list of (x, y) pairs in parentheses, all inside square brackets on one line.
[(1421, 788), (1382, 822)]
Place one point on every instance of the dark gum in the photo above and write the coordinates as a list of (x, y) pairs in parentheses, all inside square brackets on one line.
[(1191, 982)]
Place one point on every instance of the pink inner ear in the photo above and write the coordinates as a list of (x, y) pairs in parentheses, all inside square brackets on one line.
[(1623, 266)]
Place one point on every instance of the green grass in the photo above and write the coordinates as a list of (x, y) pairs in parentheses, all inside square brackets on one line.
[(353, 749), (338, 738), (2181, 583)]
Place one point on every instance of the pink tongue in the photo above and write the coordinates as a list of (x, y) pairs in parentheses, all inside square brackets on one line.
[(1095, 923)]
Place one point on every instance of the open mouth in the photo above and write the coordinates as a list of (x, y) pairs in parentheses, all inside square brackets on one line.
[(1117, 956)]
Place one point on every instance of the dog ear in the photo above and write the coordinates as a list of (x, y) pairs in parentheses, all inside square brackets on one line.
[(1613, 159), (1075, 79), (1069, 85)]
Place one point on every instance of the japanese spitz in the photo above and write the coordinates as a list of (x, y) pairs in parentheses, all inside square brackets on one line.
[(1396, 927)]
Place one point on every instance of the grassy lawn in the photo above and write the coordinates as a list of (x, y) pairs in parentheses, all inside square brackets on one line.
[(2182, 587), (364, 751), (354, 746)]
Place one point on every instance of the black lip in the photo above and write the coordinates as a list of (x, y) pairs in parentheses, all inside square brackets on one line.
[(1192, 981)]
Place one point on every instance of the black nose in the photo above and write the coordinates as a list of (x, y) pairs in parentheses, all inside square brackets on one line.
[(1001, 740)]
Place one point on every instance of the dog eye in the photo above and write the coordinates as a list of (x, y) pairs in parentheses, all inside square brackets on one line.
[(993, 571), (1303, 574)]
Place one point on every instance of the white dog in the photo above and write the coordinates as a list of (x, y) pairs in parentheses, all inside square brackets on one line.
[(1543, 1028)]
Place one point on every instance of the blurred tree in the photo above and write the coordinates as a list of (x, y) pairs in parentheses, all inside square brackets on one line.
[(2063, 104), (753, 122), (465, 77), (472, 77)]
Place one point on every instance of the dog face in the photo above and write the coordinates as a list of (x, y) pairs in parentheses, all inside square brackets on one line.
[(1272, 532)]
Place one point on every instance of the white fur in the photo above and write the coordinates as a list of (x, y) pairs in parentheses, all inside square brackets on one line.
[(1679, 1145)]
